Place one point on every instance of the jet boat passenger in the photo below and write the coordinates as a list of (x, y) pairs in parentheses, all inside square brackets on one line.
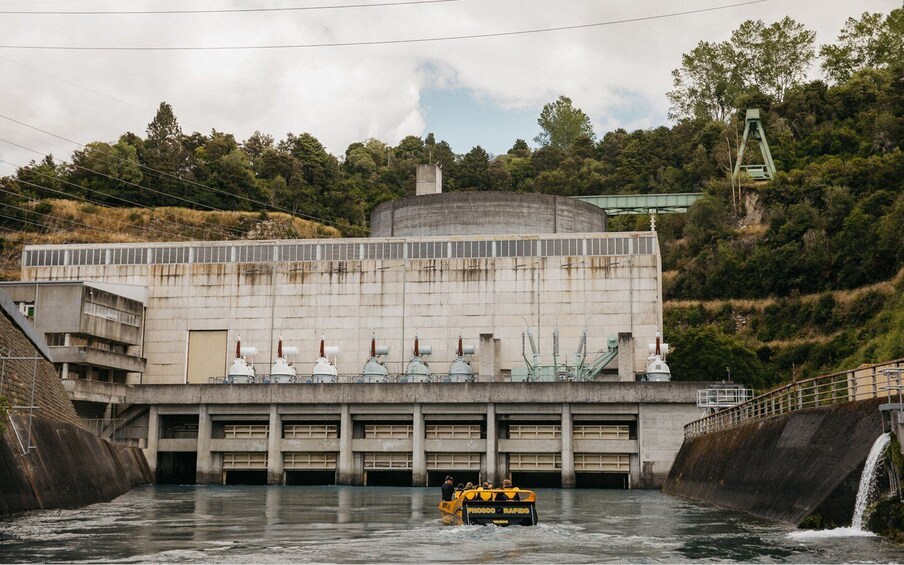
[(511, 492), (447, 489)]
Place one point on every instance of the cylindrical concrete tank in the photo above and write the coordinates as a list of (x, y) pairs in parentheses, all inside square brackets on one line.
[(484, 213)]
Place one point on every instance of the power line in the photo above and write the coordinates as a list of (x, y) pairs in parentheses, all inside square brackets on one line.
[(129, 183), (58, 218), (61, 218), (83, 87), (189, 182), (125, 200), (384, 41), (68, 196), (122, 222), (220, 11), (22, 221), (76, 85)]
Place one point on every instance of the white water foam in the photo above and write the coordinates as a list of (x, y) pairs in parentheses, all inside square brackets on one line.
[(868, 480), (833, 533), (864, 491)]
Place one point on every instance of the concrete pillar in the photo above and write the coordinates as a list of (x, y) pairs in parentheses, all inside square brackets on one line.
[(568, 478), (625, 357), (64, 372), (274, 453), (150, 452), (634, 473), (346, 455), (487, 358), (206, 474), (491, 443), (429, 180), (418, 455)]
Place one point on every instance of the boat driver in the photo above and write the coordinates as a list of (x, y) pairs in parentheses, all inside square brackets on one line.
[(448, 489)]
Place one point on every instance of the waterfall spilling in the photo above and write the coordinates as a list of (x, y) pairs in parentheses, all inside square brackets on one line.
[(868, 479)]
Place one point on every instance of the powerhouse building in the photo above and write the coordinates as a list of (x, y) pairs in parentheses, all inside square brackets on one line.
[(486, 268), (203, 297)]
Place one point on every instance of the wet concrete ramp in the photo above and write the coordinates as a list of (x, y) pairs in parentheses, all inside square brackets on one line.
[(781, 468), (68, 467)]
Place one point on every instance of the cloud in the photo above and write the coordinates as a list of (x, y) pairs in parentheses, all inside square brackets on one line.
[(618, 74)]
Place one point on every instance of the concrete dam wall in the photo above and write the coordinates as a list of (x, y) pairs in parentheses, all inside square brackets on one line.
[(67, 467), (781, 468), (47, 458)]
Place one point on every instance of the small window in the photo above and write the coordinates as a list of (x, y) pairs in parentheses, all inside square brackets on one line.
[(28, 310), (55, 340)]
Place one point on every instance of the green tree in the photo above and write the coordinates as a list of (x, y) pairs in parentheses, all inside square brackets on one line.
[(708, 354), (782, 55), (45, 173), (255, 145), (438, 152), (713, 76), (872, 41), (320, 169), (706, 84), (164, 153), (519, 149), (471, 171), (561, 123), (113, 170)]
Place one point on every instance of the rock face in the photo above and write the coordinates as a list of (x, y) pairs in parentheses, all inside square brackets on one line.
[(781, 468), (887, 519)]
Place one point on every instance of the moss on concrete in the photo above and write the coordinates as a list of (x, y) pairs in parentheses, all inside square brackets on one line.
[(887, 520)]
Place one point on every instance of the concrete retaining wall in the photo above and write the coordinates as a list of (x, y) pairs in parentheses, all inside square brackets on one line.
[(484, 213), (781, 468), (27, 378), (67, 468)]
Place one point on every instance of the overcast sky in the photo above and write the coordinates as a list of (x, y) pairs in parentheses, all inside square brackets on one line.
[(486, 91)]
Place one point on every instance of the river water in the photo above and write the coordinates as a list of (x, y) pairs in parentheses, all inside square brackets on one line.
[(250, 524)]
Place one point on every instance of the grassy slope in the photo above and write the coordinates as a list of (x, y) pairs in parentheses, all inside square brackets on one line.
[(806, 335), (74, 222)]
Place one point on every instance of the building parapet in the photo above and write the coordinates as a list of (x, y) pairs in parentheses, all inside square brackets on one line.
[(99, 358), (446, 247), (95, 391)]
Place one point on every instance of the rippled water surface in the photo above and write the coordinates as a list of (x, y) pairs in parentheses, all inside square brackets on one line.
[(247, 524)]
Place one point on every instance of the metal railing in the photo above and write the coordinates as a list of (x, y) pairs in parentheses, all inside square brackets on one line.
[(719, 397), (864, 383), (116, 430)]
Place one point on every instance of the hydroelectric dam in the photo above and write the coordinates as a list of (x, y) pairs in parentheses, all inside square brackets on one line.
[(616, 435), (483, 335)]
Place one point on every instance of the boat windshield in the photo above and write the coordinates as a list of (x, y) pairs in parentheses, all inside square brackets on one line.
[(493, 494)]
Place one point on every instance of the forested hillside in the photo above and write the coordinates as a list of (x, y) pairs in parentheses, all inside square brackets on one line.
[(769, 266)]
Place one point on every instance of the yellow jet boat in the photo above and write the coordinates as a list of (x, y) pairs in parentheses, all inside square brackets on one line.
[(498, 506)]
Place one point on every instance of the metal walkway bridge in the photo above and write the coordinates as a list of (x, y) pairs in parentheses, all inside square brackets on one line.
[(624, 204)]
